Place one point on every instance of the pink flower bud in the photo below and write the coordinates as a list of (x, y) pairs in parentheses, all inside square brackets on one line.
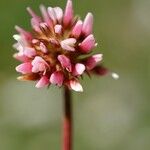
[(68, 44), (44, 81), (56, 14), (29, 52), (76, 32), (21, 58), (25, 34), (33, 14), (39, 65), (52, 14), (68, 15), (57, 78), (78, 69), (75, 85), (93, 60), (35, 25), (59, 14), (65, 62), (88, 24), (24, 68), (88, 44), (46, 16)]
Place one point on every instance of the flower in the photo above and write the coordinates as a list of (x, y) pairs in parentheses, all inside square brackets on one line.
[(58, 48)]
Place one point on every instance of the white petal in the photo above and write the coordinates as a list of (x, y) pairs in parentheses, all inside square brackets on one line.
[(52, 14), (17, 37), (59, 13), (76, 86), (68, 44), (115, 76)]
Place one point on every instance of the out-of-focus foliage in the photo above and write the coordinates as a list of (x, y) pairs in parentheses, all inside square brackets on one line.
[(109, 115)]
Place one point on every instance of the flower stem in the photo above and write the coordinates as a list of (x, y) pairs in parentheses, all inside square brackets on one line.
[(67, 120)]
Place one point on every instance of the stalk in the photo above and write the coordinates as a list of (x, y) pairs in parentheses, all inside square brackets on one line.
[(67, 120)]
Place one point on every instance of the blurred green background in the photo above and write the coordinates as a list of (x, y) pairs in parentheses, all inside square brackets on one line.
[(109, 115)]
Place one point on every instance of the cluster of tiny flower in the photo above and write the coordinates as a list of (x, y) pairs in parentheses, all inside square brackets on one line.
[(57, 51)]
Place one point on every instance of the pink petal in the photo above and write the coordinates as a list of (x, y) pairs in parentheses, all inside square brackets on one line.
[(79, 69), (18, 46), (24, 68), (93, 60), (21, 58), (52, 14), (58, 29), (77, 29), (75, 85), (38, 68), (37, 60), (88, 44), (68, 15), (35, 20), (26, 34), (29, 52), (57, 78), (35, 41), (59, 14), (35, 25), (32, 13), (46, 16), (68, 44), (88, 24), (43, 48), (44, 81), (39, 65), (65, 62)]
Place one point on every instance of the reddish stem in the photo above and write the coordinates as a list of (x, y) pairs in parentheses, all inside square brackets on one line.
[(67, 120)]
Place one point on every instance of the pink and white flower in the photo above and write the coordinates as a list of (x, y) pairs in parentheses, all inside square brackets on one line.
[(57, 51)]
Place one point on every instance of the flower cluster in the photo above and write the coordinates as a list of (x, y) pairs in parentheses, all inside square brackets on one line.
[(57, 50)]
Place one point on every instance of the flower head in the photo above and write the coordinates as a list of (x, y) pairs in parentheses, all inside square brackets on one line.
[(57, 50)]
